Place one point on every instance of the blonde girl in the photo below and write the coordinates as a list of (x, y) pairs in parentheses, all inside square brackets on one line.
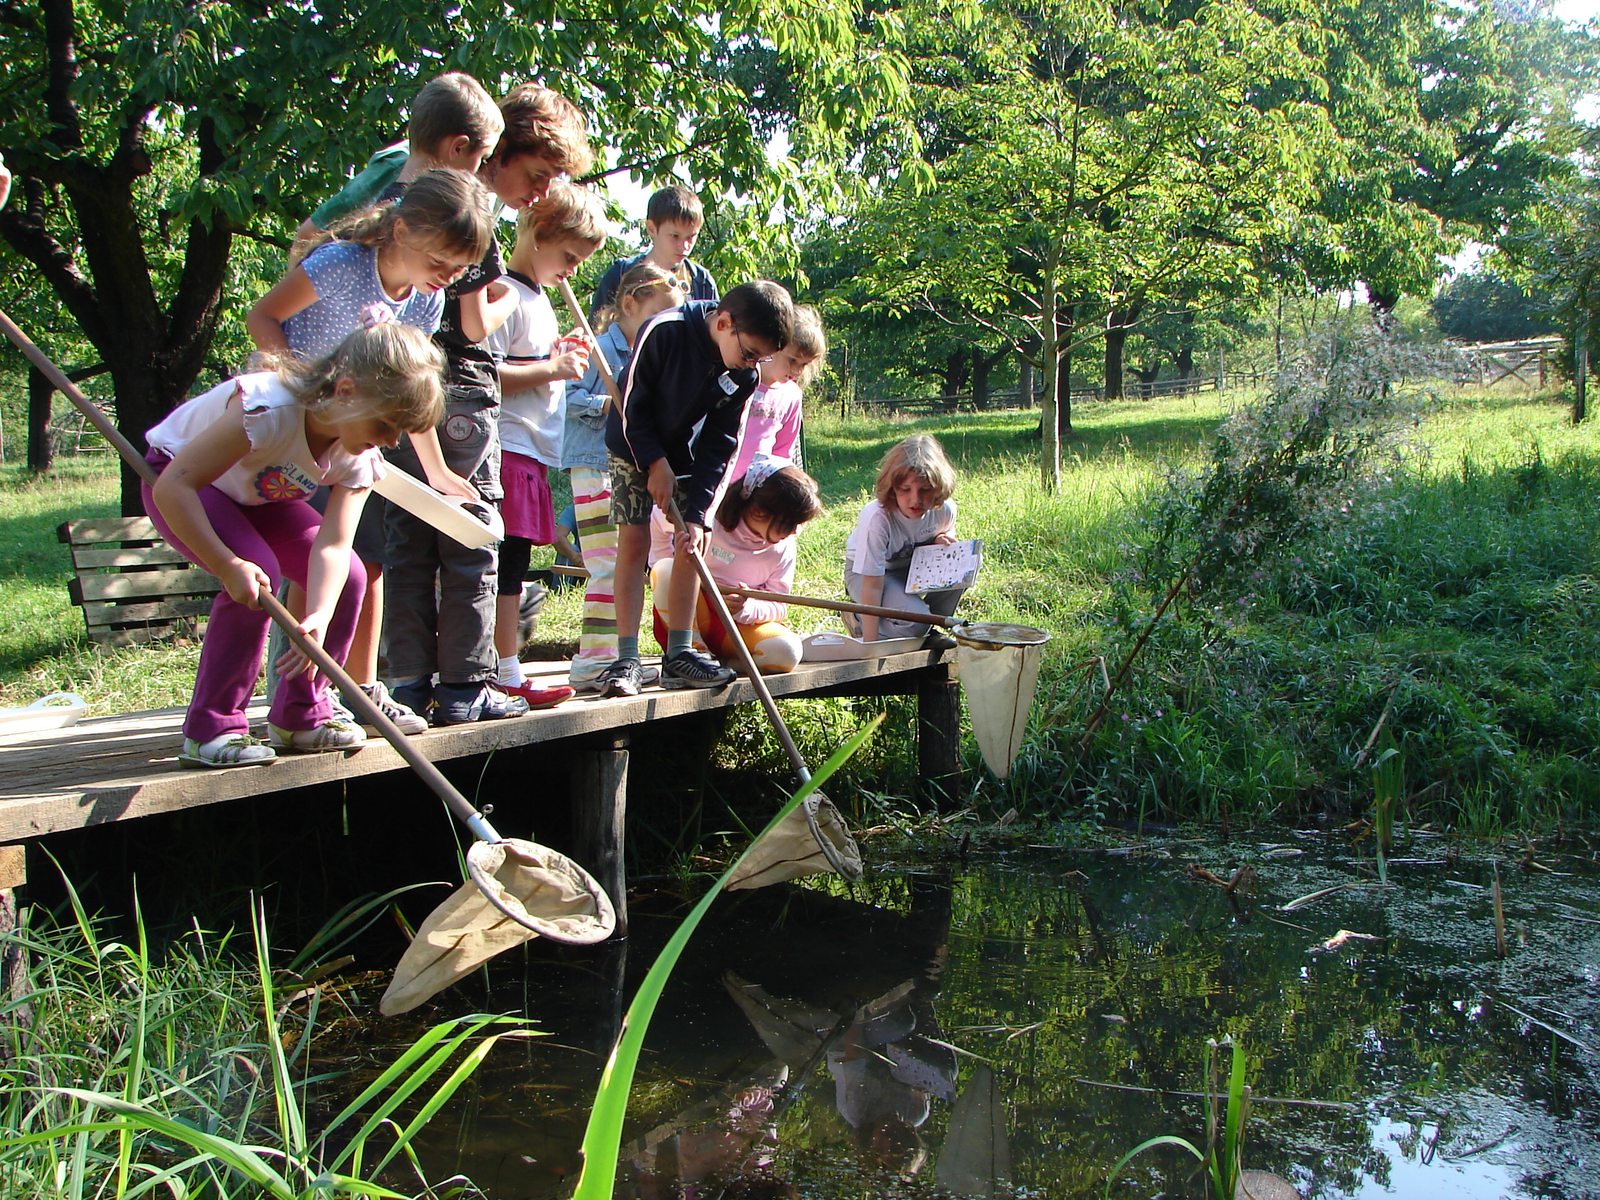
[(236, 467), (752, 545), (645, 290), (555, 236), (912, 507), (401, 256)]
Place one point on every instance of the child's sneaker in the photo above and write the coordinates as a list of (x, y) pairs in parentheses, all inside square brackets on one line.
[(596, 682), (416, 696), (403, 716), (622, 678), (335, 733), (690, 668), (229, 750), (464, 703), (538, 697)]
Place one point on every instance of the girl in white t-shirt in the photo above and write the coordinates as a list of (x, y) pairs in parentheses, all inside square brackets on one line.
[(554, 238), (236, 466), (913, 507)]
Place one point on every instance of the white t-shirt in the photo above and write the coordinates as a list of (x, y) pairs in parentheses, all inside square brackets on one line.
[(882, 534), (531, 420), (279, 465), (345, 276)]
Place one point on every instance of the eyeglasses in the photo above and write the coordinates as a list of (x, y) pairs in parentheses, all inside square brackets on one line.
[(747, 355)]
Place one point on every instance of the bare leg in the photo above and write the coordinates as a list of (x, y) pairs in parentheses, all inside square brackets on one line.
[(506, 634), (683, 589), (633, 546), (363, 662)]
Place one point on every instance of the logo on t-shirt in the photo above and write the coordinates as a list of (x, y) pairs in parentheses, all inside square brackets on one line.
[(284, 482)]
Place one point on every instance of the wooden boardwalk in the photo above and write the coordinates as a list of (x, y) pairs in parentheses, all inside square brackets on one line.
[(121, 768)]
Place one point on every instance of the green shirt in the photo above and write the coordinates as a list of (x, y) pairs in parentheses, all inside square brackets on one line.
[(366, 189)]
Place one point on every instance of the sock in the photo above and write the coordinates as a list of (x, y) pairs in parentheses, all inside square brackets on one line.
[(510, 672), (628, 647), (679, 639)]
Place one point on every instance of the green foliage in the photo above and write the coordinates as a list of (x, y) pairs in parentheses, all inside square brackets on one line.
[(186, 1072), (1485, 307)]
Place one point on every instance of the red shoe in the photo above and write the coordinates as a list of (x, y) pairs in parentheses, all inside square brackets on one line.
[(539, 697)]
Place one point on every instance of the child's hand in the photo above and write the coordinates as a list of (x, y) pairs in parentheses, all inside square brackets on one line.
[(496, 290), (451, 484), (293, 660), (735, 603), (243, 581), (569, 363), (945, 538), (662, 483)]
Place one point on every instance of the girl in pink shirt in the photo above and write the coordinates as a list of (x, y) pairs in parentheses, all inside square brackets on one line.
[(753, 545)]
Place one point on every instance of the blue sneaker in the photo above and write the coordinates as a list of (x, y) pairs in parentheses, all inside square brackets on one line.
[(690, 668), (463, 703)]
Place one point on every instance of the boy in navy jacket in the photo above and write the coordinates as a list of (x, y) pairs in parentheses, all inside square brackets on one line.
[(691, 364)]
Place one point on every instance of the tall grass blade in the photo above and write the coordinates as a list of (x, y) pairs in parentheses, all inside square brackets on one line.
[(602, 1140)]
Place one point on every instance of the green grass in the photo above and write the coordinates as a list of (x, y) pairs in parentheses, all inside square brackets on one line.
[(1461, 598)]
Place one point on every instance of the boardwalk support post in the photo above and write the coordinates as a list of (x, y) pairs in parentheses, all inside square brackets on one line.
[(600, 816), (939, 735)]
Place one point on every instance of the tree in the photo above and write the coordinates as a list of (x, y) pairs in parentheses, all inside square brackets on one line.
[(1486, 307), (150, 138)]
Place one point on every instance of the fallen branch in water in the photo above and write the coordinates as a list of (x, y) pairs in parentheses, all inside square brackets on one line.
[(1254, 1099)]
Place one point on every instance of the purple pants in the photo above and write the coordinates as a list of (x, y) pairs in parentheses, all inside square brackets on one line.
[(277, 538)]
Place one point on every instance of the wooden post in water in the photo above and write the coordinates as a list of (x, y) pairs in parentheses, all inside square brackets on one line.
[(13, 961), (939, 736), (600, 819)]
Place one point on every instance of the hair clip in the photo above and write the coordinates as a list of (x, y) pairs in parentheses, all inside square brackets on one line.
[(375, 314)]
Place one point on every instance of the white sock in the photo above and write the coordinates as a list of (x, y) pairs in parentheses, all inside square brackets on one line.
[(510, 673)]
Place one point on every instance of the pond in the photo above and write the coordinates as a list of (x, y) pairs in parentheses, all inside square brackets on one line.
[(1036, 1014)]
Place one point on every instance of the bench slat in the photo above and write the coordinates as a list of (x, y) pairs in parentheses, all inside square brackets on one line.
[(156, 612), (108, 529), (138, 585), (136, 558)]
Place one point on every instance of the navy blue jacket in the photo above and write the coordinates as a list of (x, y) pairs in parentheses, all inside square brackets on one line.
[(676, 379), (701, 285)]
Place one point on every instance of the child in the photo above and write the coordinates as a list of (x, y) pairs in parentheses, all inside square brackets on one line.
[(401, 256), (645, 291), (554, 237), (672, 222), (753, 545), (694, 364), (442, 617), (772, 417), (913, 508), (454, 123), (236, 465)]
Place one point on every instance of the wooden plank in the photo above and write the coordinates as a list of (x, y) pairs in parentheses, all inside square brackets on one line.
[(160, 612), (101, 556), (109, 529), (144, 584), (120, 768), (938, 737), (600, 819)]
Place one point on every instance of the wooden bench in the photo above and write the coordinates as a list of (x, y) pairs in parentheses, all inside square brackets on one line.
[(131, 585)]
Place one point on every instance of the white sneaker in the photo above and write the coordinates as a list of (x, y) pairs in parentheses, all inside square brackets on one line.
[(404, 718)]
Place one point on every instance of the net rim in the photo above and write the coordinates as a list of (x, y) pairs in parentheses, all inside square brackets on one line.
[(990, 635)]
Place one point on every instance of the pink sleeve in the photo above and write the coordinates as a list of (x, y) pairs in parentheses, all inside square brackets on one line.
[(788, 435), (779, 579)]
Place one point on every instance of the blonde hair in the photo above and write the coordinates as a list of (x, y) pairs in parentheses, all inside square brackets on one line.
[(637, 282), (397, 371), (569, 212), (450, 106), (919, 455), (809, 341), (541, 122), (447, 209)]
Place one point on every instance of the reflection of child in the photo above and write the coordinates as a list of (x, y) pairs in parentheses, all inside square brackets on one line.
[(554, 237), (646, 290), (752, 545), (236, 466), (913, 508)]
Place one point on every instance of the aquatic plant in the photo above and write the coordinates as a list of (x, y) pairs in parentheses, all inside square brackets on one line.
[(127, 1073), (1388, 785), (1222, 1159), (602, 1139)]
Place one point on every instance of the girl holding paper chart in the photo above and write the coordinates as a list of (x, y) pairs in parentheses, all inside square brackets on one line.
[(913, 507)]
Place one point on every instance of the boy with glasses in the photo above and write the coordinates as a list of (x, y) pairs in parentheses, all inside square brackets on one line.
[(693, 365)]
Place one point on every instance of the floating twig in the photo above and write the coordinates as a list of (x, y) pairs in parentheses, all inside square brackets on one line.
[(1499, 916), (1254, 1099), (1545, 1025), (1313, 897)]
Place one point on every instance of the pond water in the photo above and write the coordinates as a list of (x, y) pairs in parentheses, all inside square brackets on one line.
[(1038, 1013)]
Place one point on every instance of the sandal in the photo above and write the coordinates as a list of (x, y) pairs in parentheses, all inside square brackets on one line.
[(227, 750), (335, 733)]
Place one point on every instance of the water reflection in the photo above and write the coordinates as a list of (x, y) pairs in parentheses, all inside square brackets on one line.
[(1014, 1026)]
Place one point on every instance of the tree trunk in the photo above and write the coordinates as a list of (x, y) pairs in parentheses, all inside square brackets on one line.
[(981, 363), (41, 454), (1116, 341), (1024, 381), (1184, 359), (1066, 325), (1050, 431)]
